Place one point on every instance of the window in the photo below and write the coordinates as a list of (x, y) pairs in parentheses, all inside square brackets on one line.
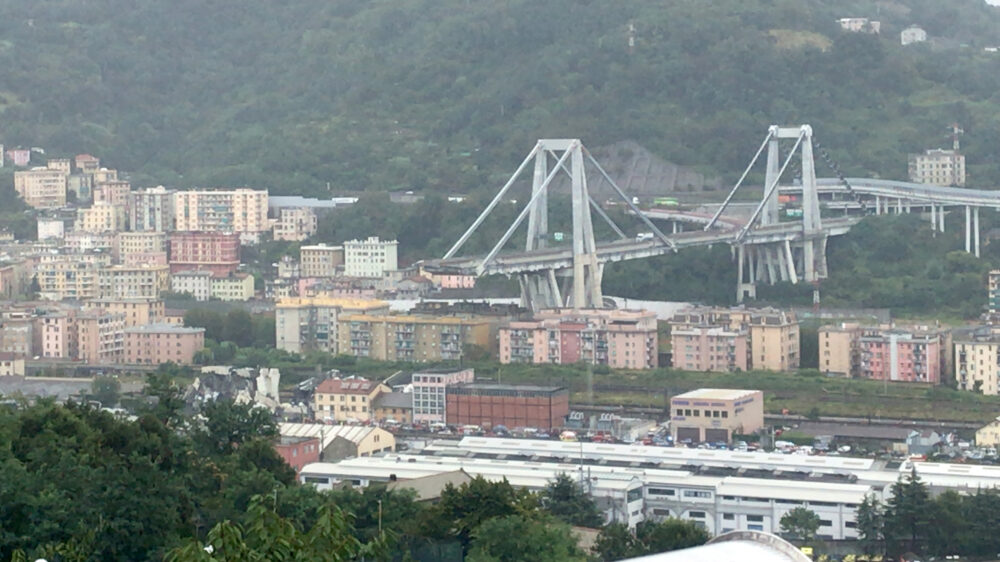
[(728, 516), (696, 514), (697, 494), (661, 492), (661, 512), (825, 523), (755, 527), (851, 524), (755, 518)]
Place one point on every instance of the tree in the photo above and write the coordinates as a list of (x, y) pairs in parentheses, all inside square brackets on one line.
[(907, 515), (871, 525), (801, 524), (616, 542), (670, 534), (267, 536), (518, 537), (464, 508), (566, 500), (107, 391), (228, 425)]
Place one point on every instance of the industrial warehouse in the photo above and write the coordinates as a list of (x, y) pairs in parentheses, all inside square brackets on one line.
[(720, 490)]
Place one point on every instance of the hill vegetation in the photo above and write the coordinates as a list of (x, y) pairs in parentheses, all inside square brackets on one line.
[(448, 96)]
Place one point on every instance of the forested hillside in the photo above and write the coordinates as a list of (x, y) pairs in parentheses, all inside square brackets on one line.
[(449, 95)]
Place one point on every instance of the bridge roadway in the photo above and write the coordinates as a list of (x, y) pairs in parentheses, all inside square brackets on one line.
[(916, 192), (561, 257)]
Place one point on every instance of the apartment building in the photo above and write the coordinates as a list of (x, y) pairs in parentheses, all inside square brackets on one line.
[(709, 348), (347, 399), (994, 295), (911, 35), (937, 167), (142, 247), (86, 164), (223, 210), (430, 391), (151, 209), (774, 340), (115, 192), (216, 252), (235, 287), (198, 284), (99, 337), (59, 165), (977, 363), (840, 349), (80, 242), (100, 217), (41, 188), (410, 338), (311, 324), (901, 355), (54, 335), (135, 311), (155, 344), (123, 281), (65, 279), (320, 260), (370, 257), (772, 335), (295, 224), (618, 338)]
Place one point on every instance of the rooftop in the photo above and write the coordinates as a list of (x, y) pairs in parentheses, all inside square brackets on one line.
[(327, 433), (163, 329), (346, 386), (362, 304), (717, 394)]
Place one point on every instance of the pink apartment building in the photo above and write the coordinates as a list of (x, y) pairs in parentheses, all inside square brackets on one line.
[(216, 252), (709, 348), (154, 344), (625, 339), (900, 355)]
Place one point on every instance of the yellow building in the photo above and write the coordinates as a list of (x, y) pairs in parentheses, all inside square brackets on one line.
[(310, 324), (131, 243), (100, 337), (320, 260), (123, 281), (135, 311), (101, 217), (338, 442), (839, 349), (295, 224), (989, 434), (350, 399), (65, 279), (411, 338), (977, 364), (236, 287), (41, 188)]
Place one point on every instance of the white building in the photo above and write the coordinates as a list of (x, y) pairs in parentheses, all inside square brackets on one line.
[(859, 25), (370, 258), (236, 287), (937, 167), (295, 224), (195, 283), (51, 228), (912, 34)]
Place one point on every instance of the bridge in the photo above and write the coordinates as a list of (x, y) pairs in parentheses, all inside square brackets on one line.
[(766, 248)]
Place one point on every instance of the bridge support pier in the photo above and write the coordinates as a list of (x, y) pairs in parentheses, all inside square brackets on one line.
[(975, 229), (934, 219), (968, 228), (941, 218)]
